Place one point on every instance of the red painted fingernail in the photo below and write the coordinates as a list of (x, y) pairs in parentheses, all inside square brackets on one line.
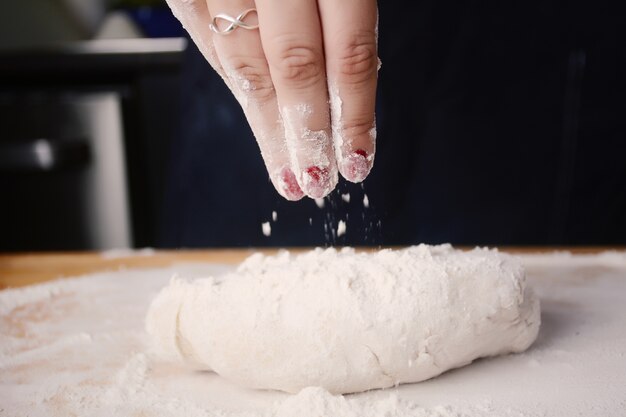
[(289, 185), (316, 181), (356, 167)]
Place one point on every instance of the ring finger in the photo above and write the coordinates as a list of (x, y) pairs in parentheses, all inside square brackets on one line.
[(244, 63)]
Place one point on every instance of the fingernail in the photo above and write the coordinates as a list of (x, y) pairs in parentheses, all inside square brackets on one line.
[(316, 181), (356, 167), (289, 185)]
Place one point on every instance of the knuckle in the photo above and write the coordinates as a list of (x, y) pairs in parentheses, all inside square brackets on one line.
[(252, 78), (299, 64), (357, 61), (357, 127)]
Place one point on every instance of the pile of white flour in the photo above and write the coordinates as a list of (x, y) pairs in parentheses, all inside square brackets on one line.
[(346, 321)]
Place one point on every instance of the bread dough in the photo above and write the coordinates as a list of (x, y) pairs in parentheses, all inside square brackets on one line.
[(347, 321)]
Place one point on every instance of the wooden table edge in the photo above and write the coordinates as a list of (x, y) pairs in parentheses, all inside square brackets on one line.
[(22, 269)]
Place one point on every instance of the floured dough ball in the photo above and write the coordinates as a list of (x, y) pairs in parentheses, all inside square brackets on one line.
[(347, 321)]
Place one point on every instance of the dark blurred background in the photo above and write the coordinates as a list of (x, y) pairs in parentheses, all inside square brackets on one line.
[(500, 123), (89, 99)]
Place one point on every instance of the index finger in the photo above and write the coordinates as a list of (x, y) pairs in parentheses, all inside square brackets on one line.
[(349, 29)]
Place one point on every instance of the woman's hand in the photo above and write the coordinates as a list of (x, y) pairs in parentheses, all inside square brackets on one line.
[(306, 80)]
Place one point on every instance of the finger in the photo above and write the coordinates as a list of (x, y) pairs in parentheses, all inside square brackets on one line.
[(194, 15), (244, 64), (292, 40), (349, 28)]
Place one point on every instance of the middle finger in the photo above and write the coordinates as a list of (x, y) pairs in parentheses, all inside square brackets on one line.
[(292, 40)]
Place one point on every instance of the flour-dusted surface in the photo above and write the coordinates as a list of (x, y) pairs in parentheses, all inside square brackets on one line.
[(77, 347), (346, 321)]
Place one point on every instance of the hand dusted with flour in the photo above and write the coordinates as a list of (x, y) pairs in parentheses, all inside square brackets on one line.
[(306, 81), (347, 321)]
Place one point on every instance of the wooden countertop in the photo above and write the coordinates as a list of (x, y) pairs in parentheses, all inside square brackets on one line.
[(18, 270)]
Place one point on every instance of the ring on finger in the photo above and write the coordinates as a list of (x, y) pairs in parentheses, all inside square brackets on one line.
[(234, 22)]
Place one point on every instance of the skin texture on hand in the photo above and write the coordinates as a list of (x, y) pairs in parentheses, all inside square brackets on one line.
[(306, 80)]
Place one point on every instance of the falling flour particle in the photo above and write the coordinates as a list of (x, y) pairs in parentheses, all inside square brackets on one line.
[(341, 228), (347, 321), (310, 221), (366, 201), (267, 228), (274, 216), (346, 197), (320, 203)]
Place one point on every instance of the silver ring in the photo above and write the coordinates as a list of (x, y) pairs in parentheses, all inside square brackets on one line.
[(234, 22)]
